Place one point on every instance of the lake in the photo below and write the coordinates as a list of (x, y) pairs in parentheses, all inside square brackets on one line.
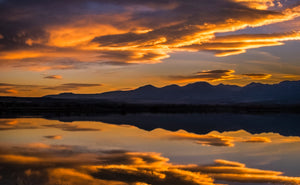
[(157, 149)]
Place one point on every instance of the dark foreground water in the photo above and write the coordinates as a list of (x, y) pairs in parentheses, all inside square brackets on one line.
[(156, 149)]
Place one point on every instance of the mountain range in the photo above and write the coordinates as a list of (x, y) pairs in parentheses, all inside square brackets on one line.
[(286, 92)]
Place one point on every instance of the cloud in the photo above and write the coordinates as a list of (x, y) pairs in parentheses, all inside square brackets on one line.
[(17, 85), (8, 88), (53, 137), (53, 77), (71, 86), (71, 127), (11, 89), (258, 76), (8, 91), (236, 44), (46, 35), (217, 75), (209, 75)]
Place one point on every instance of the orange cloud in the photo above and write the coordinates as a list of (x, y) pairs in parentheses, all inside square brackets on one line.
[(19, 159), (53, 77), (217, 75)]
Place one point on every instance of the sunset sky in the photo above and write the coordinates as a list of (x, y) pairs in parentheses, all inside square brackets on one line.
[(92, 46)]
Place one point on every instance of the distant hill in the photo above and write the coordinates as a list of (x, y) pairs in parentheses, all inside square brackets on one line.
[(286, 92)]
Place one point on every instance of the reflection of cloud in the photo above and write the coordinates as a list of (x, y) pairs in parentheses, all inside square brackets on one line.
[(70, 127), (11, 124), (209, 75), (53, 137), (258, 140), (217, 75), (244, 174), (71, 86), (221, 139), (224, 170), (210, 139), (53, 77), (76, 166)]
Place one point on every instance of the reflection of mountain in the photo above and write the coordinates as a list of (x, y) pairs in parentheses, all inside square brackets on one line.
[(287, 92), (284, 124)]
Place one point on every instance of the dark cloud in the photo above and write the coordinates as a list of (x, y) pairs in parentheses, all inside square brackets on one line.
[(11, 89), (53, 137), (132, 56), (258, 76), (17, 85), (53, 77), (71, 86)]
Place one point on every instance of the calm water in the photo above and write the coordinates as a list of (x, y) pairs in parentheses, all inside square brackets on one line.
[(166, 149)]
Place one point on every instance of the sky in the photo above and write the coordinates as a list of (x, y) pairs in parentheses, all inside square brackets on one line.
[(93, 46)]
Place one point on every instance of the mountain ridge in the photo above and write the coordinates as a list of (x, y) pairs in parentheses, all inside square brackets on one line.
[(200, 93)]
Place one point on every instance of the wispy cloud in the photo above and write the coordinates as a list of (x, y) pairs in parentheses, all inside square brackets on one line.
[(217, 75), (258, 76), (71, 86), (12, 89)]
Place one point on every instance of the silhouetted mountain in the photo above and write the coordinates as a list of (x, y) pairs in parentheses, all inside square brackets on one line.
[(286, 92)]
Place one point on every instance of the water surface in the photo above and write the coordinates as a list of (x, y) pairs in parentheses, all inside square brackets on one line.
[(128, 149)]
